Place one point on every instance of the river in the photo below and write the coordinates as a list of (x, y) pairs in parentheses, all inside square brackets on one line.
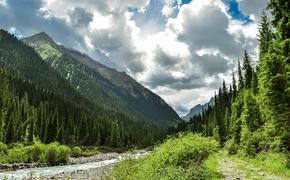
[(40, 172)]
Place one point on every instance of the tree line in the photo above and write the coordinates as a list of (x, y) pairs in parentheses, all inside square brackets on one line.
[(29, 111), (253, 113)]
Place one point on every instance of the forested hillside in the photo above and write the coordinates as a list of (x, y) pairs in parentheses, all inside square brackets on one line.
[(253, 114), (101, 84), (36, 103)]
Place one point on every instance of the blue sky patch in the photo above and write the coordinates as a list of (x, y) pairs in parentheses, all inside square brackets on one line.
[(235, 11)]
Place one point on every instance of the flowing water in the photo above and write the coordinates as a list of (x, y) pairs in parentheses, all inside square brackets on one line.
[(54, 170)]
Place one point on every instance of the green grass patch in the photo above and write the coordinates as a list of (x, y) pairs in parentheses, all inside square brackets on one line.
[(178, 158), (269, 162), (211, 164)]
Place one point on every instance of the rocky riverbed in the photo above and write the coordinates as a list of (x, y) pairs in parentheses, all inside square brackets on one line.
[(92, 167)]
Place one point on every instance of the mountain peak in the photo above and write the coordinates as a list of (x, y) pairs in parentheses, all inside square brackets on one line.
[(197, 109), (39, 37)]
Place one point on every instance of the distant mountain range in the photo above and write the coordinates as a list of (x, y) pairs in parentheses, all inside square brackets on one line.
[(198, 109), (100, 84)]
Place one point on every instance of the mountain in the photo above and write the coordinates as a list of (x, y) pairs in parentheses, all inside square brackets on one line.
[(100, 84), (37, 102), (198, 109)]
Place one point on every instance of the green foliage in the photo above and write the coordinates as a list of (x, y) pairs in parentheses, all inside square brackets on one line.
[(287, 159), (257, 118), (247, 70), (102, 85), (232, 147), (52, 153), (17, 155), (269, 162), (76, 151), (37, 152), (177, 158), (216, 134), (64, 153), (3, 149), (36, 102)]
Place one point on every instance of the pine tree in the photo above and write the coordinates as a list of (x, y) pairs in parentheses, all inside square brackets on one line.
[(247, 70), (240, 74), (274, 76), (234, 95), (265, 36), (254, 83)]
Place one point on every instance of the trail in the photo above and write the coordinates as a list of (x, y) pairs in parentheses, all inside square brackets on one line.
[(231, 168)]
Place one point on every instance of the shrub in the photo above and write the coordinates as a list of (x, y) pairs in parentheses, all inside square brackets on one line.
[(177, 158), (287, 159), (3, 149), (17, 155), (52, 153), (76, 151), (64, 153), (37, 152), (231, 147)]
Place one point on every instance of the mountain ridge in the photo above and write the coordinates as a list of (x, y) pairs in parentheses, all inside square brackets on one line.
[(198, 109), (113, 88)]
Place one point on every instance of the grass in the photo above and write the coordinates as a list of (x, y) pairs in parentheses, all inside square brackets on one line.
[(211, 164), (268, 162), (178, 158)]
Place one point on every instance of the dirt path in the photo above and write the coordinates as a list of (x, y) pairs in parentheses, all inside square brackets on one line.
[(232, 168)]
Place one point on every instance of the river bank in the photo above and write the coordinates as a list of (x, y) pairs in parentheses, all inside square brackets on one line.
[(76, 167)]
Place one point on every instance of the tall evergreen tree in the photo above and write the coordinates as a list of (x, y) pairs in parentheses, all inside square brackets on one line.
[(254, 83), (265, 35), (234, 87), (247, 70), (240, 74)]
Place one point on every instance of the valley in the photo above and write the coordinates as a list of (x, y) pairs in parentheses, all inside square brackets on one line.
[(98, 90)]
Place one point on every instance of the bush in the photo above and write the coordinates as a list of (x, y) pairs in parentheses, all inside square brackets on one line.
[(3, 149), (52, 153), (37, 152), (287, 159), (17, 155), (64, 153), (177, 158), (76, 151), (231, 147)]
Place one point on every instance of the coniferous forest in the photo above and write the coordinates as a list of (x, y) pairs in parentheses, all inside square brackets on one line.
[(59, 107), (252, 114), (30, 110)]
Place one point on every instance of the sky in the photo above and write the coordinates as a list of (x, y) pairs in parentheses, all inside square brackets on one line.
[(180, 49)]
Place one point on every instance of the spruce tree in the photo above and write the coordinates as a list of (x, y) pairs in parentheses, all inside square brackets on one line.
[(247, 70), (234, 95), (265, 35), (240, 74)]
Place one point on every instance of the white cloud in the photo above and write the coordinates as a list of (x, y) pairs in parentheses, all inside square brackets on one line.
[(182, 58), (100, 22), (253, 8), (2, 2), (195, 51)]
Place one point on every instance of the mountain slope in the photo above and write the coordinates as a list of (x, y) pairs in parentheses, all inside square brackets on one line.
[(196, 110), (35, 101), (98, 83)]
